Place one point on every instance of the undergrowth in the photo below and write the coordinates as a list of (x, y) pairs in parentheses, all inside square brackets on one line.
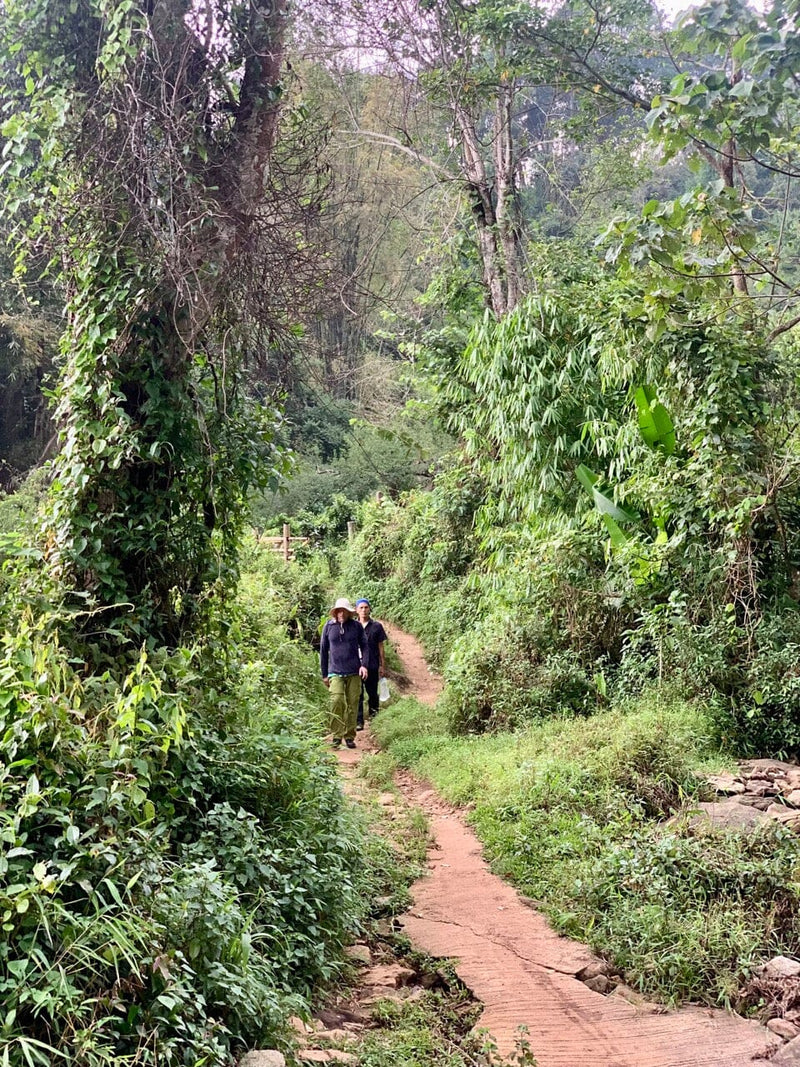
[(178, 869), (582, 816)]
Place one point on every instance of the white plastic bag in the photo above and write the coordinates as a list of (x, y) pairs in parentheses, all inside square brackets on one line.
[(383, 691)]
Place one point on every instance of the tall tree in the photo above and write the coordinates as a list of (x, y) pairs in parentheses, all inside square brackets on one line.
[(141, 136), (509, 80)]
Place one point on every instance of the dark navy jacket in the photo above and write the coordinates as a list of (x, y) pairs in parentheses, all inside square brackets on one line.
[(342, 647), (375, 635)]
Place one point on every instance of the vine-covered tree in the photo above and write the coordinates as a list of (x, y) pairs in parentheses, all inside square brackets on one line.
[(140, 147)]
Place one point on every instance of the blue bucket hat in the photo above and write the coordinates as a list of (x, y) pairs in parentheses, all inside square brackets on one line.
[(363, 600)]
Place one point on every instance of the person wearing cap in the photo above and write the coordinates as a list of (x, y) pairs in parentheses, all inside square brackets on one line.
[(374, 661), (342, 649)]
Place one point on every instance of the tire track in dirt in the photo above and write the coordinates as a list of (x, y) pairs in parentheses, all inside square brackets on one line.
[(524, 973)]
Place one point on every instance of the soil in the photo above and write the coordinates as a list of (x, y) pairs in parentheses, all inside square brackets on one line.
[(575, 1011)]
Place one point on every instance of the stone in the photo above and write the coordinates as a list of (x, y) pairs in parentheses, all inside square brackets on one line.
[(783, 1029), (728, 812), (412, 993), (593, 969), (299, 1025), (429, 979), (599, 984), (761, 803), (325, 1055), (389, 974), (793, 798), (335, 1035), (385, 994), (762, 787), (631, 995), (768, 767), (269, 1057), (779, 967), (725, 783), (788, 1056), (788, 816), (359, 953)]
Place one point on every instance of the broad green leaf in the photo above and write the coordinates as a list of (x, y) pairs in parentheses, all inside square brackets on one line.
[(655, 424), (618, 537)]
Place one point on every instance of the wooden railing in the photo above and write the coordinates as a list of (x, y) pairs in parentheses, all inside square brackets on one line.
[(284, 544)]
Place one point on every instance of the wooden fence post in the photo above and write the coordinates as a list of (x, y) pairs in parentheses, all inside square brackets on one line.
[(287, 541), (351, 530)]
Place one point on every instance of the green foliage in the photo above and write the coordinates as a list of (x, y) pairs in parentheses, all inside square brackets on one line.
[(391, 459), (158, 449), (178, 870), (410, 558), (690, 914), (432, 1032), (291, 597), (573, 812)]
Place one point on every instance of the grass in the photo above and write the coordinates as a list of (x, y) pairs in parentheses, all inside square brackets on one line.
[(576, 813)]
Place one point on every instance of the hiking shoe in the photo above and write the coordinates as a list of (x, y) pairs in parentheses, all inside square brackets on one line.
[(350, 742), (336, 742), (360, 726)]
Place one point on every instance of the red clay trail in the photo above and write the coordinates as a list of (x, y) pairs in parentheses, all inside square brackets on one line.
[(524, 973)]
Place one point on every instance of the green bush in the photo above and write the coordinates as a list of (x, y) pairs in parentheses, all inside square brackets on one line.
[(573, 811), (178, 869), (688, 915)]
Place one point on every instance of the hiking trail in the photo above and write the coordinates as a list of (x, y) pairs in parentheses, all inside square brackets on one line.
[(526, 975)]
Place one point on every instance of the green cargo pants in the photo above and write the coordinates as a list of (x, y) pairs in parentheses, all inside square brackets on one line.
[(345, 691)]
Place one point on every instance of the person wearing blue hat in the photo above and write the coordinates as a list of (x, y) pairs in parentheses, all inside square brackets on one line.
[(374, 660)]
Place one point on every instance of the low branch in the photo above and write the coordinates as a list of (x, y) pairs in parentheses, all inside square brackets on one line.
[(408, 150)]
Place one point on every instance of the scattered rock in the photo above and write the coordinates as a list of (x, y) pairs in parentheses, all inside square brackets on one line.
[(631, 995), (789, 1055), (793, 798), (725, 783), (384, 994), (593, 969), (341, 1017), (788, 816), (299, 1025), (779, 967), (386, 927), (326, 1055), (430, 979), (729, 813), (762, 787), (342, 1036), (389, 974), (761, 803), (412, 994), (263, 1058), (783, 1029), (387, 800), (359, 953), (599, 984), (768, 767)]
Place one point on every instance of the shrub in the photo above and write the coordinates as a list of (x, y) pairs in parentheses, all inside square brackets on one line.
[(178, 870)]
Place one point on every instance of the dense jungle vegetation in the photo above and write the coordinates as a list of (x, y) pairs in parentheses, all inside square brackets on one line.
[(530, 272)]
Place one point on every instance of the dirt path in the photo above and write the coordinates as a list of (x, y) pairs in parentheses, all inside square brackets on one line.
[(523, 973)]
